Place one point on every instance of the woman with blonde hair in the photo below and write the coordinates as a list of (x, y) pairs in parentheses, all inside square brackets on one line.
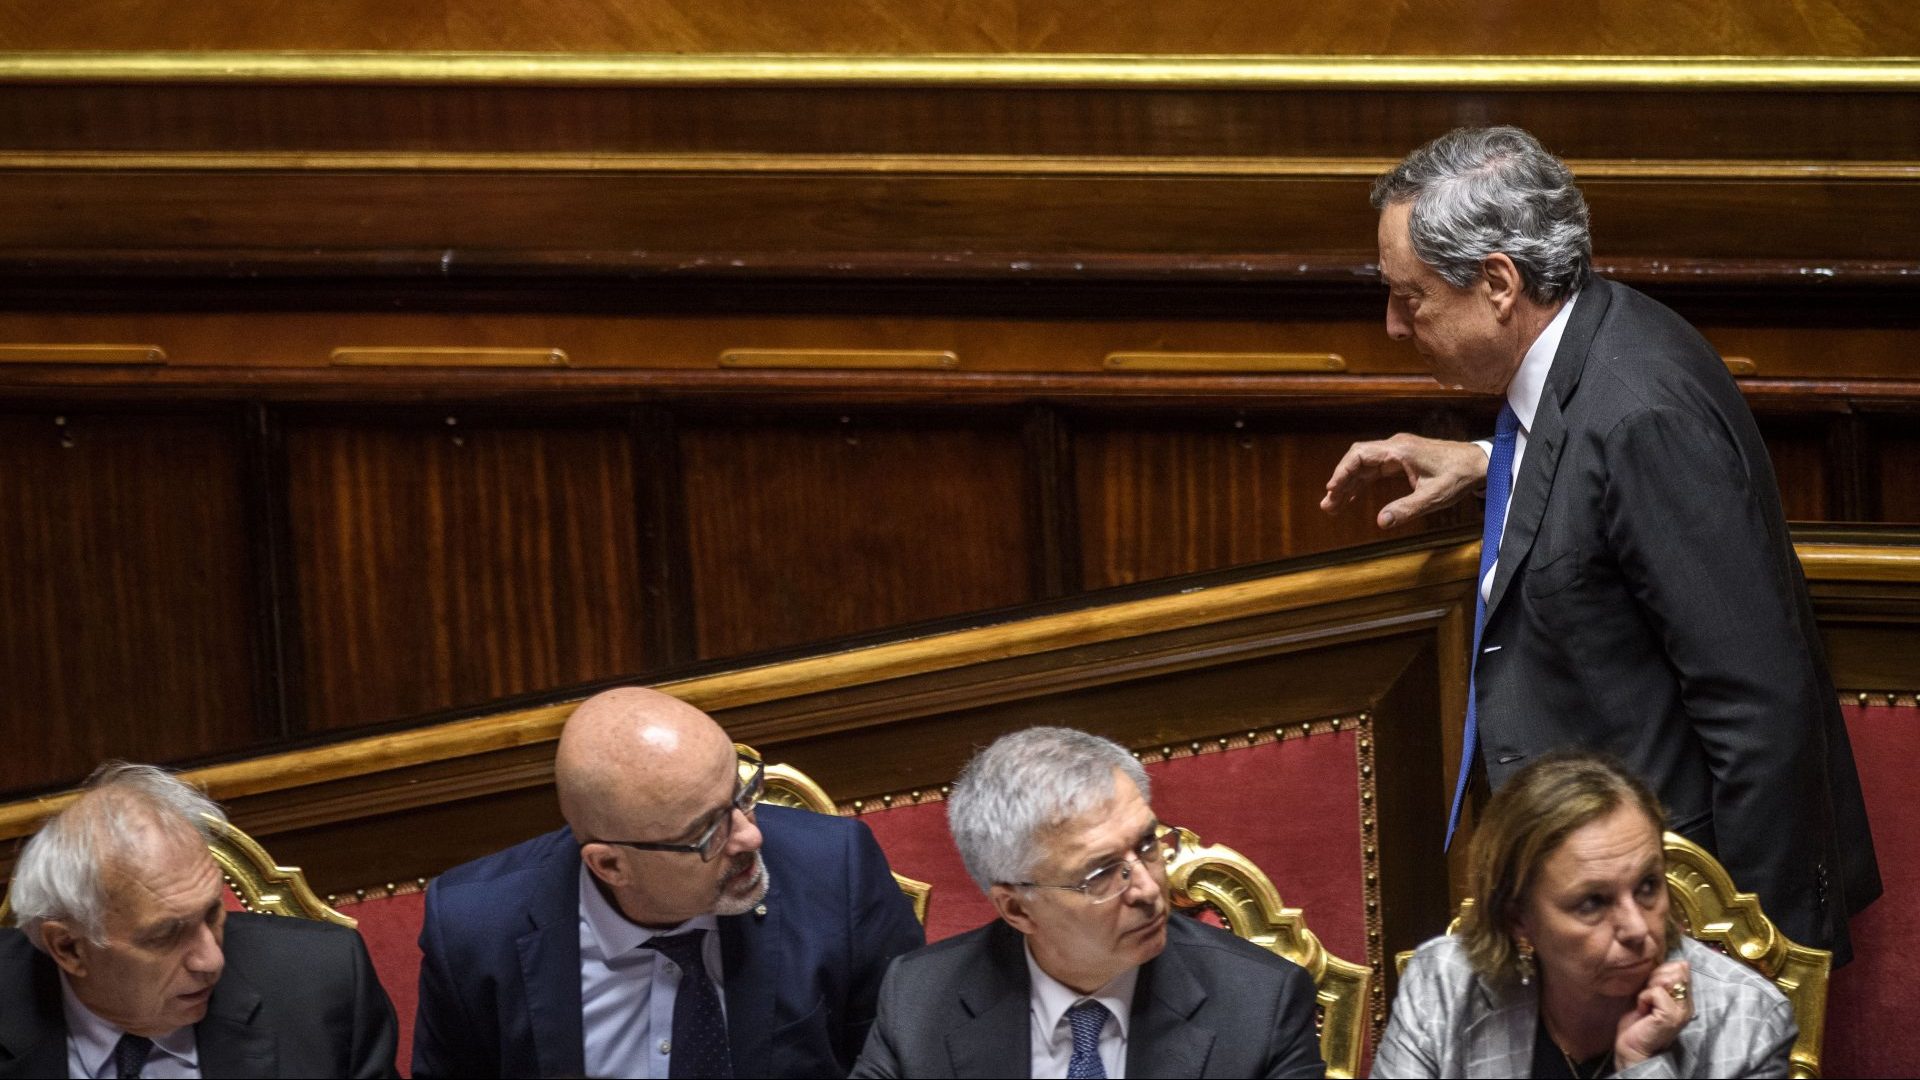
[(1570, 963)]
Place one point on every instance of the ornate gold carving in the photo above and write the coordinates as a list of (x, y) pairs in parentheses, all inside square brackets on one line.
[(1660, 73), (860, 359), (262, 886), (1225, 361), (788, 786), (1228, 882)]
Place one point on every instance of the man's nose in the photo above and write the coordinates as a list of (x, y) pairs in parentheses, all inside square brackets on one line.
[(746, 835), (1399, 327), (204, 956)]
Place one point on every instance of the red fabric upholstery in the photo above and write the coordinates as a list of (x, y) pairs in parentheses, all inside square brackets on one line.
[(1292, 807), (1870, 1001), (391, 928)]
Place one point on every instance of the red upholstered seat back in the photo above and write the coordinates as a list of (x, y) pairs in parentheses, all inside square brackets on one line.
[(391, 927), (1870, 1001), (1293, 807)]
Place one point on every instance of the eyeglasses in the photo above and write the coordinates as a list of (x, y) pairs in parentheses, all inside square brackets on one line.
[(719, 826), (1109, 881)]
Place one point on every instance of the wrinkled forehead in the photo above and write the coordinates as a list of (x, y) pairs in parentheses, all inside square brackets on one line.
[(158, 872), (1398, 263)]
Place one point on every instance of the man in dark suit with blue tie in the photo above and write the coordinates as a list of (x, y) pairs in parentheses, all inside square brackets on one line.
[(672, 929), (1638, 592)]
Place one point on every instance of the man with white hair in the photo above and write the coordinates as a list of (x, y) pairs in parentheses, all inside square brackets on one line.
[(1084, 974), (1638, 590), (674, 928), (127, 963)]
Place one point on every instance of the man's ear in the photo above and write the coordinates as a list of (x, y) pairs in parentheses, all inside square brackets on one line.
[(1504, 284), (604, 863), (61, 943), (1012, 906)]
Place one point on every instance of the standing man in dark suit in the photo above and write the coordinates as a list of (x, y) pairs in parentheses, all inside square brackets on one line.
[(1639, 592), (673, 929), (1084, 974), (127, 962)]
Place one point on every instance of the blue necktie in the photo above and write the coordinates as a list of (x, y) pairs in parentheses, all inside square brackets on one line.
[(130, 1055), (1506, 431), (699, 1027), (1088, 1019)]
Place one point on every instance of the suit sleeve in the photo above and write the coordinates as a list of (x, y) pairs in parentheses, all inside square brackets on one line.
[(1703, 562), (376, 1034), (1295, 1047), (441, 1038), (881, 927), (879, 1059)]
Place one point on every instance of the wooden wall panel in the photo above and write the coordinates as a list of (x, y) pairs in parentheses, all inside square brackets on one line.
[(1158, 500), (1898, 447), (126, 598), (805, 528), (439, 565), (1414, 27), (1802, 465)]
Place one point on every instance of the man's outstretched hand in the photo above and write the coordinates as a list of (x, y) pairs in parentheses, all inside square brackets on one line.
[(1440, 472)]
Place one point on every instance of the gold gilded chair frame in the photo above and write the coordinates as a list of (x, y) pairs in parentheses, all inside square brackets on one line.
[(1717, 913), (1221, 878), (788, 786), (262, 886)]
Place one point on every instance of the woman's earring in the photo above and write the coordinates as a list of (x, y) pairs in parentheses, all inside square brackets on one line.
[(1525, 949)]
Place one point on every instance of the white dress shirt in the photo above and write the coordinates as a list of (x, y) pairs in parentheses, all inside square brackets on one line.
[(1053, 1037), (626, 991), (1523, 393), (90, 1043)]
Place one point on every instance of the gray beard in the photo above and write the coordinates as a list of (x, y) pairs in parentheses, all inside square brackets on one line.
[(732, 903)]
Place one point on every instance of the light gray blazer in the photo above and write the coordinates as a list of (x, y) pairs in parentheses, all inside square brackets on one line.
[(1447, 1021)]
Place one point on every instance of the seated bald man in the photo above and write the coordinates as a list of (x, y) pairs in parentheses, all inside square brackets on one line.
[(127, 963), (1084, 974), (672, 929)]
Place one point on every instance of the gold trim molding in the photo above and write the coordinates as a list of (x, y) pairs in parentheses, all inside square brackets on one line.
[(1674, 73)]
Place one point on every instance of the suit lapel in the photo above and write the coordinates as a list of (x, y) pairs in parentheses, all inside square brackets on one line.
[(229, 1041), (751, 973), (1164, 1040), (995, 1038), (550, 968), (1500, 1040), (1546, 438), (33, 1023)]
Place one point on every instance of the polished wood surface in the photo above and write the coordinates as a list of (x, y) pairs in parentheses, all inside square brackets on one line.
[(444, 560), (1704, 27), (819, 526), (129, 626)]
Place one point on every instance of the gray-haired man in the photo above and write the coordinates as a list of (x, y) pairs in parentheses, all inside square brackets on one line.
[(1084, 974), (1639, 593), (128, 964)]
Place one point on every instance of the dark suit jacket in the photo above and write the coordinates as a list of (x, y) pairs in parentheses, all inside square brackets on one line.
[(297, 998), (1648, 603), (1209, 1005), (500, 966)]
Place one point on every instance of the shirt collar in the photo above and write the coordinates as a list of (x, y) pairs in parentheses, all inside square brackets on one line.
[(613, 932), (1052, 998), (95, 1038), (1523, 393)]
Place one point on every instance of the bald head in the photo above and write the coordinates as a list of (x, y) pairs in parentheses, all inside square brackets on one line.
[(637, 763)]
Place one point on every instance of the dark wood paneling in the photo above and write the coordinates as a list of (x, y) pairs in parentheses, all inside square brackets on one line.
[(803, 529), (1800, 449), (447, 564), (1898, 442), (126, 606), (1156, 500), (1710, 27)]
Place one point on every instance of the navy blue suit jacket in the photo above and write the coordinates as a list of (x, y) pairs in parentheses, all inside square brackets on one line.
[(500, 956)]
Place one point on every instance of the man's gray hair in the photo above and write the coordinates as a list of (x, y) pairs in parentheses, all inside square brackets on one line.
[(120, 809), (1024, 784), (1477, 191)]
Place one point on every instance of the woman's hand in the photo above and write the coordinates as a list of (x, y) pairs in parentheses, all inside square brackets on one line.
[(1662, 1009)]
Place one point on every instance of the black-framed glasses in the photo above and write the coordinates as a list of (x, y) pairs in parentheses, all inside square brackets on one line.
[(1160, 846), (719, 827)]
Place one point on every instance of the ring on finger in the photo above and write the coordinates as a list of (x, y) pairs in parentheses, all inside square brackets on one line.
[(1678, 991)]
